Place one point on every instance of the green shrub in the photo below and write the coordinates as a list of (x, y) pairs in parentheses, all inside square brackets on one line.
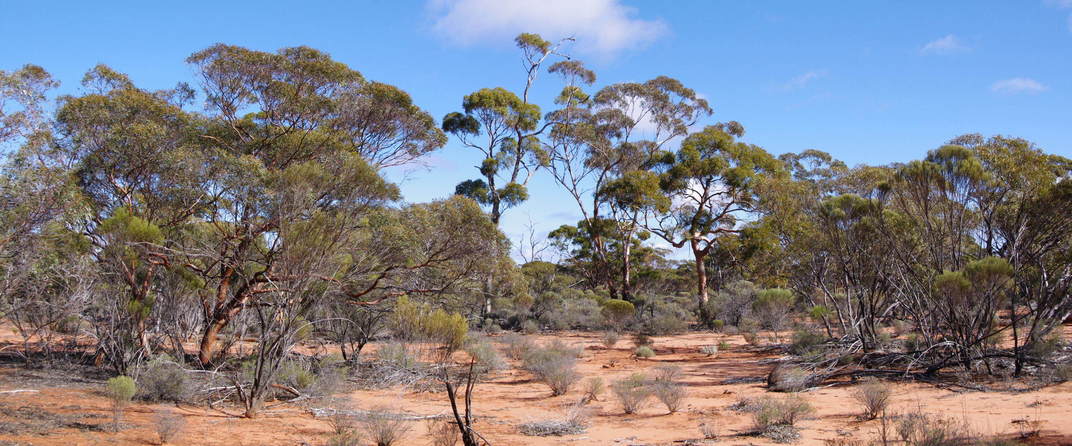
[(162, 380), (644, 352), (718, 325), (120, 390), (397, 355), (530, 327), (642, 339), (617, 311), (593, 388)]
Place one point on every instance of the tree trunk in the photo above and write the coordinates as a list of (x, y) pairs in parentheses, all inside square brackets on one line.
[(207, 351), (701, 283)]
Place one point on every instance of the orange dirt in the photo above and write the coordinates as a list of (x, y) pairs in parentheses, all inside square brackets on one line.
[(511, 398)]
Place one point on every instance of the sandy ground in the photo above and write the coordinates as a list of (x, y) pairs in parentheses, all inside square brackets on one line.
[(76, 414)]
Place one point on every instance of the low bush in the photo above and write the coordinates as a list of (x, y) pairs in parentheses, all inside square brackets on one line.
[(874, 396), (397, 355), (442, 432), (530, 327), (788, 378), (610, 338), (785, 411), (644, 352), (574, 422), (384, 428), (344, 439), (162, 380), (667, 373), (593, 388), (633, 392), (709, 350), (918, 429), (642, 340), (168, 426), (554, 365), (805, 341), (671, 394), (517, 345)]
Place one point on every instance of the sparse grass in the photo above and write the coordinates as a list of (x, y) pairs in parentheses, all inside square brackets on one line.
[(344, 439), (874, 396), (709, 429)]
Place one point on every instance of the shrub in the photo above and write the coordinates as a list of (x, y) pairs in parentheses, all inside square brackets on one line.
[(718, 325), (667, 373), (610, 338), (723, 345), (670, 394), (530, 327), (785, 411), (773, 307), (397, 355), (443, 432), (874, 396), (666, 324), (162, 380), (642, 339), (580, 313), (383, 428), (709, 429), (168, 426), (709, 350), (788, 378), (1063, 372), (633, 392), (644, 352), (517, 345), (344, 439), (120, 390), (917, 429), (554, 365), (574, 422), (617, 311), (804, 341), (593, 388)]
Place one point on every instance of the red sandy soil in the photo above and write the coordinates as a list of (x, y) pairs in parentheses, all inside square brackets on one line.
[(511, 398)]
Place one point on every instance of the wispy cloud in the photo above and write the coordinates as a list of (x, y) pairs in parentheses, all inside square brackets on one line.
[(1061, 4), (803, 80), (945, 45), (1018, 85), (602, 27)]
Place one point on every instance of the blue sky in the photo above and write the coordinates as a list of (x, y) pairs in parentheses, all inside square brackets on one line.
[(870, 82)]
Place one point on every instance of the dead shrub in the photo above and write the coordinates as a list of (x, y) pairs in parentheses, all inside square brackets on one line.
[(667, 373), (874, 396), (610, 338), (344, 439), (709, 429), (517, 345)]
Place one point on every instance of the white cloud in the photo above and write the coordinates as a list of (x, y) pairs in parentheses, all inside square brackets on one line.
[(945, 45), (1018, 85), (601, 27), (803, 79)]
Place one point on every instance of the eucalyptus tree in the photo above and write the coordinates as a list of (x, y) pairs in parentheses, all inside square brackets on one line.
[(599, 139), (139, 171), (505, 128), (707, 188), (273, 116)]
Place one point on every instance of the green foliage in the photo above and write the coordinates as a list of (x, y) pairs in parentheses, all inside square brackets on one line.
[(617, 311), (121, 389), (162, 379), (644, 352)]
